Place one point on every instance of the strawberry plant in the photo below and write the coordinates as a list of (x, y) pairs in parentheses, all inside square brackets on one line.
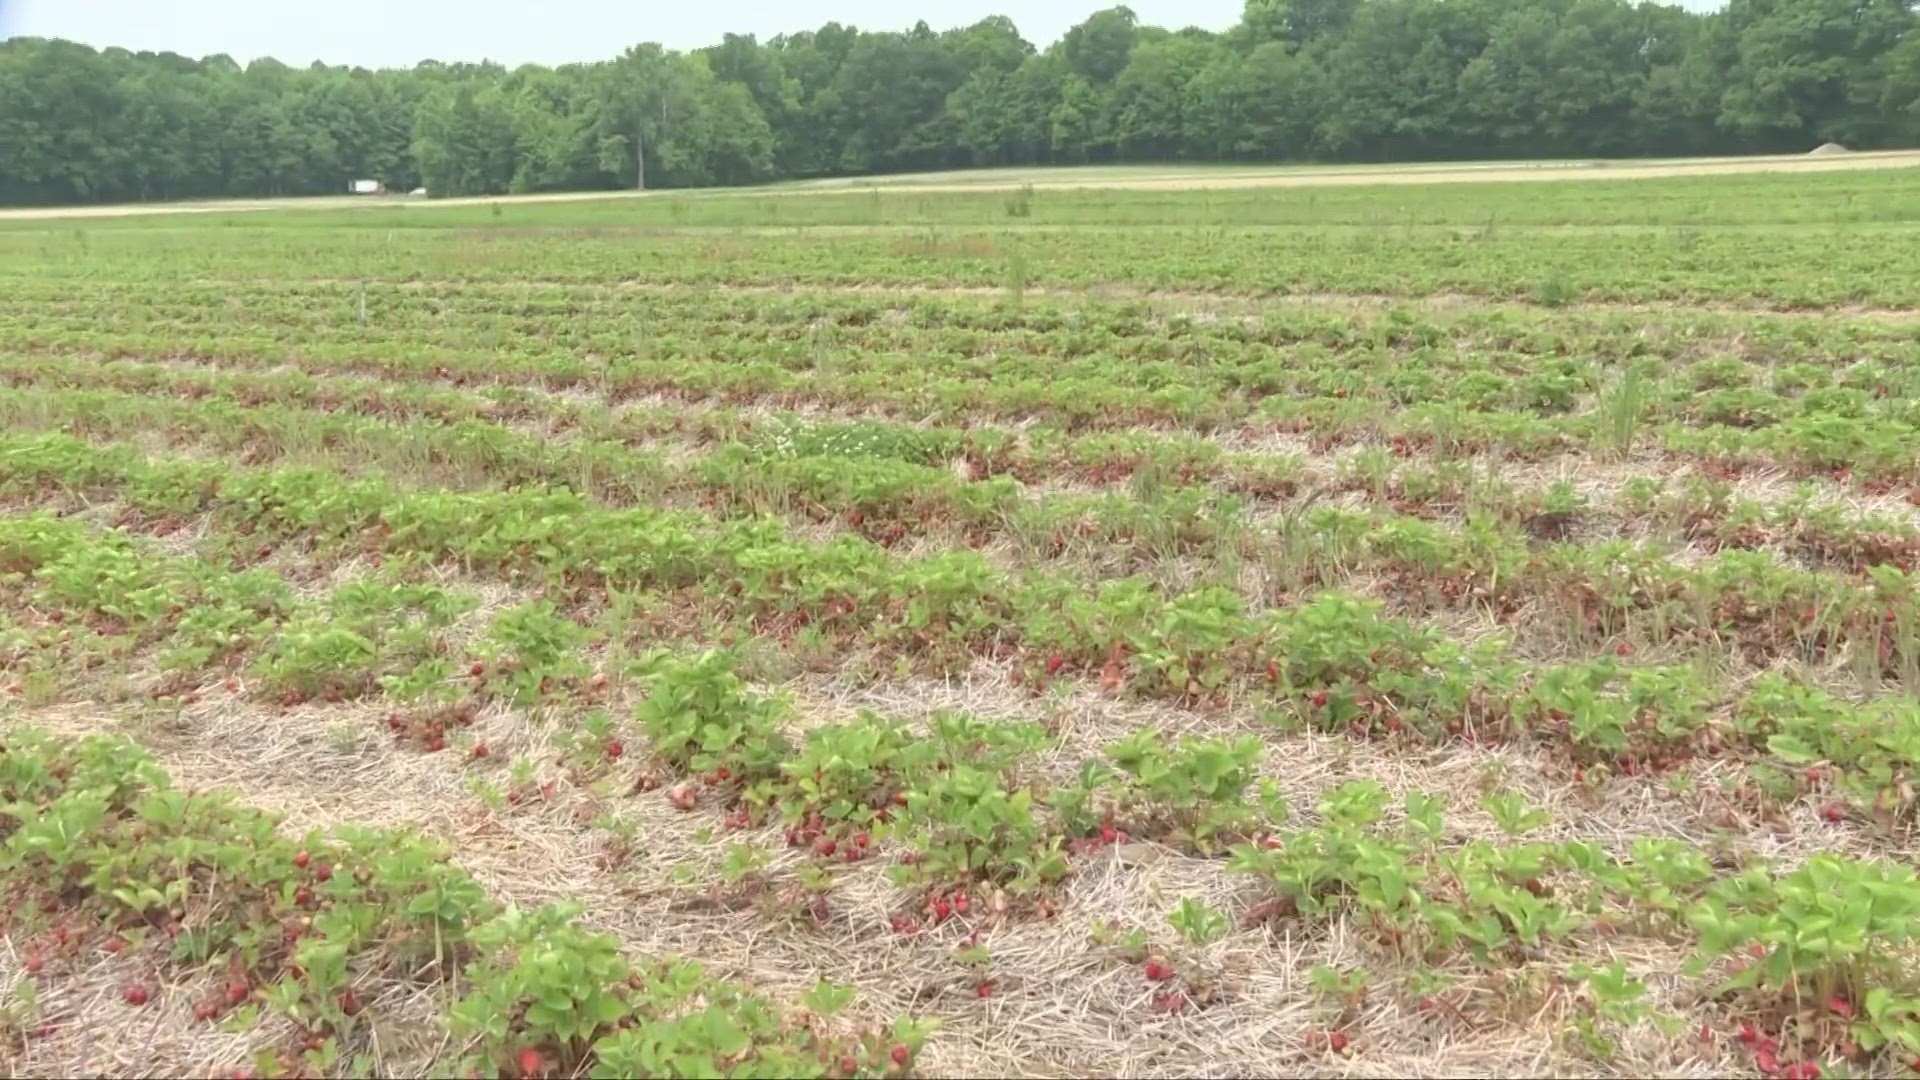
[(700, 718), (542, 983), (1833, 929)]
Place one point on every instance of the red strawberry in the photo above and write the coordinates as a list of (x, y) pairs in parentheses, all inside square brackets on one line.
[(1337, 1042), (848, 1066), (1159, 971), (1833, 813), (135, 994), (983, 989), (900, 1055), (323, 872), (478, 669), (236, 991), (34, 963), (300, 859), (479, 750), (530, 1062), (205, 1010), (615, 748), (1055, 662), (1840, 1006), (1319, 699), (960, 903), (349, 1002)]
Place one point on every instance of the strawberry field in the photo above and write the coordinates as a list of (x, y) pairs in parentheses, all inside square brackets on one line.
[(1369, 631)]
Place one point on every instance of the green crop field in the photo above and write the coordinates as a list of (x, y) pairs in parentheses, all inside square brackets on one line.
[(1372, 630)]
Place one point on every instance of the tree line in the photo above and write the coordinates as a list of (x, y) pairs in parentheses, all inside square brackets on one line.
[(1294, 80)]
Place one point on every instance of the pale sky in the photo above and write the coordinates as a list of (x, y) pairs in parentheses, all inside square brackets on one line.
[(399, 33)]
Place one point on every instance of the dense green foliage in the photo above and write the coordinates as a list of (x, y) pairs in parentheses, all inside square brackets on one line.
[(1296, 79)]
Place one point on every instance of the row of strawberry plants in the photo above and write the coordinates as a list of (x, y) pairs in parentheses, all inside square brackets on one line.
[(638, 321), (1474, 380), (102, 852), (1823, 534), (1859, 428), (1808, 960), (1341, 664), (1621, 588)]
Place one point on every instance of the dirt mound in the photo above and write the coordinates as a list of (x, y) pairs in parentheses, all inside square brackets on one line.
[(1826, 149)]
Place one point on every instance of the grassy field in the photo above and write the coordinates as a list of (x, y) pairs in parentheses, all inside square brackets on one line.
[(1104, 178), (1340, 631)]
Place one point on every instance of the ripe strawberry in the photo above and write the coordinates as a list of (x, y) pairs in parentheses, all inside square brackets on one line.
[(1833, 813), (983, 989), (960, 903), (531, 1063), (477, 669), (237, 991), (942, 911), (479, 750), (301, 858), (205, 1010), (861, 839), (1159, 970), (848, 1065), (303, 896), (323, 872), (824, 847), (615, 748), (1765, 1062), (1055, 662), (1337, 1042), (349, 1002), (1840, 1007), (135, 994), (900, 1055), (1319, 699), (436, 743), (34, 963)]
